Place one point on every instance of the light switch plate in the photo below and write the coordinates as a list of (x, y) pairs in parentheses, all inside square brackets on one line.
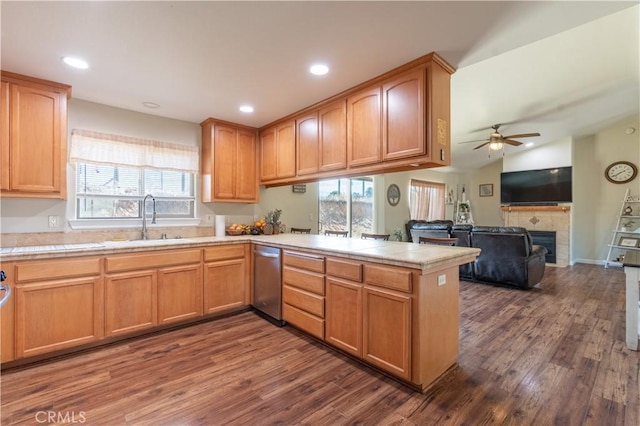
[(54, 221), (442, 279)]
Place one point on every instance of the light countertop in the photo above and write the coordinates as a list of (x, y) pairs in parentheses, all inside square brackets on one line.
[(419, 256)]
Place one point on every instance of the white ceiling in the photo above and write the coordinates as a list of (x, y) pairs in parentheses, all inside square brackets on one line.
[(563, 69)]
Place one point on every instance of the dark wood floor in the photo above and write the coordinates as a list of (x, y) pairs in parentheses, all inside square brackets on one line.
[(552, 355)]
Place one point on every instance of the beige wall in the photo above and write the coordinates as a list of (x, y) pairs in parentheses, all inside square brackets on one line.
[(485, 210)]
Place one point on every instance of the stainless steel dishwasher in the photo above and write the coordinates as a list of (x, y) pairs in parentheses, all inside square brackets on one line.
[(267, 283)]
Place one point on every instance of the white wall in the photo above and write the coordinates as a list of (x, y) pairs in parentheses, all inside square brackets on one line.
[(554, 154), (486, 210)]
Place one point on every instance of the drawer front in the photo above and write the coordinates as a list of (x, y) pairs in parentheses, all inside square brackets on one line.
[(309, 262), (304, 321), (232, 251), (159, 259), (344, 269), (303, 280), (308, 302), (58, 268), (385, 276)]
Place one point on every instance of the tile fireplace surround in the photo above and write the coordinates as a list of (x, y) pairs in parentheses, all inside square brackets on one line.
[(543, 218)]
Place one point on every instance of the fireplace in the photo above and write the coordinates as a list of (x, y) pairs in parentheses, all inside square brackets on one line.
[(546, 239)]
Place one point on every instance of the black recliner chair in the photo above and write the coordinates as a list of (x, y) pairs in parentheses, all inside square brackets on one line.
[(507, 257), (463, 233), (434, 229)]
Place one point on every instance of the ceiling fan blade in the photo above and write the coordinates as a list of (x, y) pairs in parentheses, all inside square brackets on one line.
[(523, 135), (512, 142), (477, 140), (480, 146)]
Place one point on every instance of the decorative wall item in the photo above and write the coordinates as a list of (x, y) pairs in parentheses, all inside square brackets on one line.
[(393, 194), (486, 189), (299, 189)]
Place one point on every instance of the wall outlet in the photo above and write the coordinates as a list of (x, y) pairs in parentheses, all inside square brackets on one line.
[(209, 218), (442, 279), (54, 221)]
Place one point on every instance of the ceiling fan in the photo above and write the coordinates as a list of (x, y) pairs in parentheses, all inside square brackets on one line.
[(496, 141)]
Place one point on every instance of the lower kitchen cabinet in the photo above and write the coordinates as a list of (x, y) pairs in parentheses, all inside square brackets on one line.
[(130, 302), (226, 278), (344, 315), (143, 290), (387, 330), (58, 304)]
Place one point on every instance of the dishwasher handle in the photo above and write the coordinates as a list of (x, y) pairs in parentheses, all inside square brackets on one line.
[(264, 254)]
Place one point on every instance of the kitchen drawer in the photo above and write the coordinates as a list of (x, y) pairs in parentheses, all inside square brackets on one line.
[(306, 301), (149, 260), (389, 277), (308, 281), (303, 320), (231, 251), (57, 268), (309, 262), (344, 269)]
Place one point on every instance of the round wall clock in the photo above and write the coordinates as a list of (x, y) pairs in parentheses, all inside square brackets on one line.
[(393, 194), (621, 172)]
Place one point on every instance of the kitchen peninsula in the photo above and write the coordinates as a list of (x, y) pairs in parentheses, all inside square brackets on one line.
[(391, 305)]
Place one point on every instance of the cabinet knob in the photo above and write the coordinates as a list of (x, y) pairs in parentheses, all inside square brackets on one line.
[(3, 276)]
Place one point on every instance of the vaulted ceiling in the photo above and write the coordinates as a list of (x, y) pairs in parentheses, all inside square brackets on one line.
[(563, 69)]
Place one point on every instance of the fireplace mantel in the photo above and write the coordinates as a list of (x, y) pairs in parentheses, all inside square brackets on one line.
[(563, 209)]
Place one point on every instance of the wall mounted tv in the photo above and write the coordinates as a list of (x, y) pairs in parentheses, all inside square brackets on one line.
[(542, 187)]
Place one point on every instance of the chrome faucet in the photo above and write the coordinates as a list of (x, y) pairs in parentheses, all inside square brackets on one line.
[(144, 214)]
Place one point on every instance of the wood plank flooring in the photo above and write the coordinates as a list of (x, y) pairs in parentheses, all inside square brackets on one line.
[(552, 355)]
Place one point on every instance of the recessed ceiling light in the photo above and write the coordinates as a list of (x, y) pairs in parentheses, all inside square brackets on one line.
[(246, 108), (529, 144), (151, 105), (75, 62), (319, 69)]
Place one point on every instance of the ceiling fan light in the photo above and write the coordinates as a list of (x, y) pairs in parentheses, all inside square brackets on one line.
[(496, 146)]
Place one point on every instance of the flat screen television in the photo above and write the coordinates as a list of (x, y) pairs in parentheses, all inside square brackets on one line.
[(545, 186)]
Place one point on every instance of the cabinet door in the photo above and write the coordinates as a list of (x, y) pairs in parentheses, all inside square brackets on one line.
[(387, 331), (286, 153), (364, 127), (344, 315), (179, 293), (333, 136), (268, 155), (403, 133), (36, 139), (246, 176), (224, 162), (4, 136), (308, 149), (130, 302), (226, 285), (53, 315)]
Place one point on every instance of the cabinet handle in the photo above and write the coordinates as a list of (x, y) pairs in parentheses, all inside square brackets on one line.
[(263, 254), (7, 294)]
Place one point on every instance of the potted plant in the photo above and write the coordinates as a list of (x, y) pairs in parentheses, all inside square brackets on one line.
[(464, 207), (398, 234), (628, 225)]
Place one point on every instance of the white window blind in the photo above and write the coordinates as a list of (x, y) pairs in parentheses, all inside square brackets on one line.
[(115, 150)]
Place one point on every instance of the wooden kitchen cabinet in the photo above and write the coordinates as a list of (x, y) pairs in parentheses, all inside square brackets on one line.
[(228, 163), (33, 140), (344, 315), (303, 292), (403, 106), (308, 143), (226, 278), (387, 330), (364, 127), (278, 151), (146, 289), (58, 304), (332, 128)]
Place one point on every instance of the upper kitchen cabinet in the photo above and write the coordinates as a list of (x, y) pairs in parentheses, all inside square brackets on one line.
[(308, 143), (229, 171), (278, 152), (403, 107), (364, 126), (332, 122), (33, 139)]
